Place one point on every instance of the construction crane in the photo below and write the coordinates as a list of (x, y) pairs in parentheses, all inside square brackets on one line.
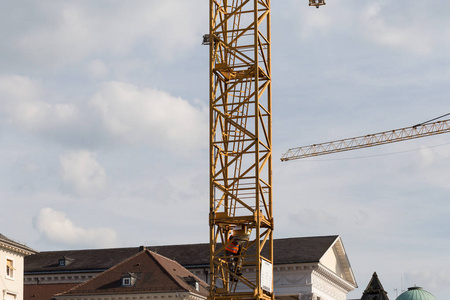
[(240, 95), (370, 140)]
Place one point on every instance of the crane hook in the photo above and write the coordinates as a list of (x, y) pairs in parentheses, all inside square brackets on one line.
[(316, 3)]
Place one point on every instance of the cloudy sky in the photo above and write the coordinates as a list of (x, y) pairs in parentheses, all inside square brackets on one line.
[(104, 138)]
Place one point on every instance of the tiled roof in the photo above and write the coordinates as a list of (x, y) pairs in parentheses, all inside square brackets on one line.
[(83, 260), (154, 273), (45, 291), (301, 250), (286, 251)]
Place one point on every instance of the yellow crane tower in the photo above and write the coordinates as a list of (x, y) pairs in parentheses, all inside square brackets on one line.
[(370, 140), (241, 217)]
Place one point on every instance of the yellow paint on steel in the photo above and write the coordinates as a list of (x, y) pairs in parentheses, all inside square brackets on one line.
[(370, 140), (240, 145)]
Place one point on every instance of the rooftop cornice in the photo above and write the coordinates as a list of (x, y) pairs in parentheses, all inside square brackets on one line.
[(15, 247), (339, 249), (327, 274)]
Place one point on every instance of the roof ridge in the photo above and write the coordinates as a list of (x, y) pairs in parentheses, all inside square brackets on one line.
[(336, 240), (308, 237), (154, 254), (104, 272), (286, 238), (176, 262), (91, 249), (162, 256), (174, 245)]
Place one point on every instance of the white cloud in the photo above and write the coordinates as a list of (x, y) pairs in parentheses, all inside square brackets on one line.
[(382, 30), (55, 227), (97, 69), (412, 28), (82, 172), (125, 112), (66, 32), (17, 88), (151, 115), (21, 104)]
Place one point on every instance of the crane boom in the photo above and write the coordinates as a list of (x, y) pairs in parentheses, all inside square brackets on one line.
[(370, 140)]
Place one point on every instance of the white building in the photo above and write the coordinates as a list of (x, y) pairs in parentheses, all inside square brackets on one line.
[(305, 268), (12, 268)]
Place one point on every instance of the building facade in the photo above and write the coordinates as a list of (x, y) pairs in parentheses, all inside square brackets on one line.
[(306, 268), (12, 268), (309, 268)]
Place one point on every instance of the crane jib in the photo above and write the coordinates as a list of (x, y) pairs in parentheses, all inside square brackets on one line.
[(370, 140)]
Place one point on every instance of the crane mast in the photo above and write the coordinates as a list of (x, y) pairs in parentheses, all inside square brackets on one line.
[(240, 149), (370, 140), (240, 99)]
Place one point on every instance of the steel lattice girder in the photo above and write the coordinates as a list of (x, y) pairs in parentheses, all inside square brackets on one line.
[(240, 143), (370, 140)]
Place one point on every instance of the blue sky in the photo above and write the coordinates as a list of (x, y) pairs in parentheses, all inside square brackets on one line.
[(104, 138)]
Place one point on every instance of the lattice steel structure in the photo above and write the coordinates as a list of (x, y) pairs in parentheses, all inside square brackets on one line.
[(240, 148), (370, 140)]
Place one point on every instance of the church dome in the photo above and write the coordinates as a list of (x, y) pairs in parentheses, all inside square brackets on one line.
[(416, 293)]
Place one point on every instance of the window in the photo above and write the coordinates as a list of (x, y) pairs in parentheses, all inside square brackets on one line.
[(126, 281), (65, 261), (129, 279), (192, 282), (9, 296), (9, 268)]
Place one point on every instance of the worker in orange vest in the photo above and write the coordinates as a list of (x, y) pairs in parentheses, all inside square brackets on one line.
[(233, 250)]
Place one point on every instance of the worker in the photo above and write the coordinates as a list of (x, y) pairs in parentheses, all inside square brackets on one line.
[(233, 251), (234, 248)]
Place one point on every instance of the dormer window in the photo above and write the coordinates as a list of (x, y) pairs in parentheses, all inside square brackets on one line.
[(192, 282), (129, 279), (126, 281), (64, 261)]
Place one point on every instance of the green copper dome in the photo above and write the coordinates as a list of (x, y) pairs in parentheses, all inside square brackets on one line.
[(416, 293)]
